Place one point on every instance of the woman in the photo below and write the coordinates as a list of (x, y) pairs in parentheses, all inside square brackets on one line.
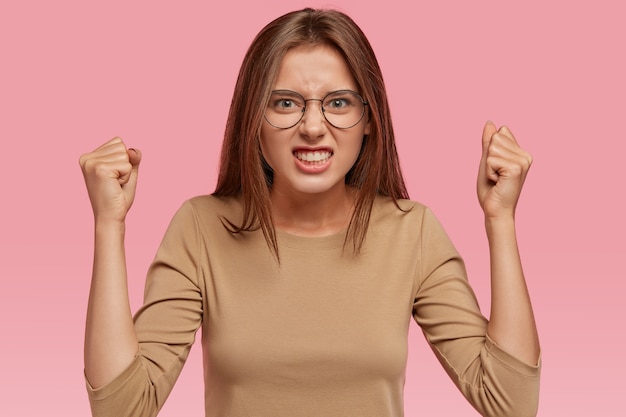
[(305, 265)]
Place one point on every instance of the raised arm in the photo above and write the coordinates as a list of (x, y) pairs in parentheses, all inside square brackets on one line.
[(503, 168), (110, 174)]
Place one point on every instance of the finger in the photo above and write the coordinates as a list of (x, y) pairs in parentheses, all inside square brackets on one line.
[(504, 130), (111, 147), (134, 156), (502, 145), (123, 172), (112, 142), (500, 142), (488, 132), (94, 163), (109, 151), (111, 159), (508, 164), (492, 173), (484, 173)]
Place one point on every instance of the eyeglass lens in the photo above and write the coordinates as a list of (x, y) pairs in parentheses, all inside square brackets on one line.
[(342, 109)]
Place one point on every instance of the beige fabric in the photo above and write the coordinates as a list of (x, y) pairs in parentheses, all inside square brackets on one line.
[(321, 334)]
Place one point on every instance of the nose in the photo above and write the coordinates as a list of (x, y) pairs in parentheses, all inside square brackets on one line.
[(313, 123)]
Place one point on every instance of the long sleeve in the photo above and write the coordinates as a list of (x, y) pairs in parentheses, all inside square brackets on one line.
[(324, 333), (166, 326), (494, 382)]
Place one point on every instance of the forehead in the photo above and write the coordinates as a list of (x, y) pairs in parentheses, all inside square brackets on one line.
[(314, 71)]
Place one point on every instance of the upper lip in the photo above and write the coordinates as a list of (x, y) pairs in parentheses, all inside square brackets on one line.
[(312, 149)]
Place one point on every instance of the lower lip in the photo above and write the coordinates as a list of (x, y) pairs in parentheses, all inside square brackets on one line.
[(312, 168)]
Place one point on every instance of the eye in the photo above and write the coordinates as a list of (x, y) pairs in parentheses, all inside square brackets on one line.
[(340, 101), (285, 102), (337, 103)]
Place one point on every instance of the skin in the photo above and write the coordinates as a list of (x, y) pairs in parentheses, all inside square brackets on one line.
[(110, 174), (305, 203), (501, 175)]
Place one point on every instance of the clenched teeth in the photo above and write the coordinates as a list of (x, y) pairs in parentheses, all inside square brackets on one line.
[(316, 156)]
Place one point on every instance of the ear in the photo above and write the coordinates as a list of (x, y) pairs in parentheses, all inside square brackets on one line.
[(368, 125)]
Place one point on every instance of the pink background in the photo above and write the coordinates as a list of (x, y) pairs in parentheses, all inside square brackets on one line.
[(74, 74)]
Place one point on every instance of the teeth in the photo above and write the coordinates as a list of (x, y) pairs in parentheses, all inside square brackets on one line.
[(313, 156)]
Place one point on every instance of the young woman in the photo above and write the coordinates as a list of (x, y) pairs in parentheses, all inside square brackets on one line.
[(305, 265)]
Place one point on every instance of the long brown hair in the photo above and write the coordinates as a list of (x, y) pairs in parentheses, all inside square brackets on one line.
[(243, 171)]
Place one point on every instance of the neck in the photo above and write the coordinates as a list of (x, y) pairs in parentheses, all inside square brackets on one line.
[(313, 214)]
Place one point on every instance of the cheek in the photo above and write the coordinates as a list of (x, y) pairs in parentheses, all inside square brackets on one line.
[(272, 153), (265, 148), (357, 148)]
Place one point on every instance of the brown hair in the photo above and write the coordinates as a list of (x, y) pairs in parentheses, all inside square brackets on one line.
[(243, 171)]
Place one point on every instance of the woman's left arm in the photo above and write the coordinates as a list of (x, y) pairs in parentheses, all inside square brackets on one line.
[(503, 168)]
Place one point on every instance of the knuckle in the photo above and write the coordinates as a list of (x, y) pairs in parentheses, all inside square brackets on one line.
[(494, 148), (517, 170), (100, 168), (529, 159), (88, 165), (498, 139)]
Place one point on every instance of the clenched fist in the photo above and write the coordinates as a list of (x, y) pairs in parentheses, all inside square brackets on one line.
[(503, 169), (110, 174)]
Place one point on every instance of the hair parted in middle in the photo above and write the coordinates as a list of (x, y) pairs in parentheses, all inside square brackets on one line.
[(243, 171)]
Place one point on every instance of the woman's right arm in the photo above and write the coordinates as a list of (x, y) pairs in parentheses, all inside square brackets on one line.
[(110, 174)]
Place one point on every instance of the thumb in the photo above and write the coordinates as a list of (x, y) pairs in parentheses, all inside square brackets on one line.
[(485, 175), (488, 132), (134, 157)]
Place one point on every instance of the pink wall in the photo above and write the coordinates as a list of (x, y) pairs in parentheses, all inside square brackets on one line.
[(74, 75)]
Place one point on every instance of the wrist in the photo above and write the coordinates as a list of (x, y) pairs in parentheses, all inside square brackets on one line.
[(109, 226), (500, 224)]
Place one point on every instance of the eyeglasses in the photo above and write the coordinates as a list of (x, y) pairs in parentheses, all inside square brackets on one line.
[(343, 109)]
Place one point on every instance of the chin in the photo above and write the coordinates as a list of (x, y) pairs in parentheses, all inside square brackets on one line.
[(317, 186)]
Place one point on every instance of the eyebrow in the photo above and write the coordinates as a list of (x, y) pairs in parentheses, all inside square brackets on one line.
[(288, 90)]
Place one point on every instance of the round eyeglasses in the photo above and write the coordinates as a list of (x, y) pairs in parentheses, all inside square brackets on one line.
[(343, 109)]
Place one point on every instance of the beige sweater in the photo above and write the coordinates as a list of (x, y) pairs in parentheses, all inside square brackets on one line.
[(322, 334)]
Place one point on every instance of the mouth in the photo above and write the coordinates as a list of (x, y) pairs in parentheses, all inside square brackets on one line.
[(313, 157)]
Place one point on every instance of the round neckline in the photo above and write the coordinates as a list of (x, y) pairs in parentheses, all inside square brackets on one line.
[(311, 243)]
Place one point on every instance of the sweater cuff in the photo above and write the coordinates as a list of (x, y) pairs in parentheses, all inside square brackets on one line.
[(131, 372), (511, 361)]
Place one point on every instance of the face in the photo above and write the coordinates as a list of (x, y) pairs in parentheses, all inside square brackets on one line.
[(313, 156)]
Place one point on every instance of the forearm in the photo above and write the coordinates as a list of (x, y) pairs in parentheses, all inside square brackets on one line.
[(110, 338), (512, 324)]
